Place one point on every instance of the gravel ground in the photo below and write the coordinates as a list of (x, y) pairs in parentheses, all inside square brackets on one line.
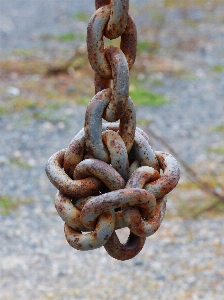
[(185, 258)]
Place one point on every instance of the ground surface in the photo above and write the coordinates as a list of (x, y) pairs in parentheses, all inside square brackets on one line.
[(185, 258)]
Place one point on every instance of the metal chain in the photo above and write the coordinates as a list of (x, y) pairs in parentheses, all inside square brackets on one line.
[(109, 177)]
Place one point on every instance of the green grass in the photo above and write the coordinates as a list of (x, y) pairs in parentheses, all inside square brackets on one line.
[(46, 115), (24, 52), (191, 23), (18, 104), (84, 100), (19, 163), (143, 97), (13, 105), (216, 150), (193, 209), (190, 201), (156, 81), (189, 77), (189, 4), (148, 46), (70, 36), (65, 37), (3, 111), (81, 16), (8, 204), (115, 42), (79, 62), (219, 128), (24, 65), (218, 68), (143, 122)]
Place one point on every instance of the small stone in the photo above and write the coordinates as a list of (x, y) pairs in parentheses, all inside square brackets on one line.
[(160, 277), (71, 90), (48, 126), (3, 160), (141, 76), (31, 162), (17, 154), (13, 91), (200, 73), (138, 263), (61, 125)]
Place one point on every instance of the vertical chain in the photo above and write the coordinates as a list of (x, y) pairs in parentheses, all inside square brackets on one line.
[(109, 177)]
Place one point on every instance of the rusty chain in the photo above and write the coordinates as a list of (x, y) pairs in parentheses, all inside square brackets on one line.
[(109, 177)]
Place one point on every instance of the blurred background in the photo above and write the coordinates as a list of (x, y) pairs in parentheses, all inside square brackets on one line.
[(177, 85)]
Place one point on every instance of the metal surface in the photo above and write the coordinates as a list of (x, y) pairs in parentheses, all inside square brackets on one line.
[(109, 177), (117, 199), (74, 188), (119, 93), (95, 239), (125, 251), (95, 43), (99, 169), (93, 125), (118, 19), (69, 213), (118, 152), (147, 224), (74, 153)]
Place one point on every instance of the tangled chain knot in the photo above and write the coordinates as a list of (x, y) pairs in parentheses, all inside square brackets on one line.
[(109, 177)]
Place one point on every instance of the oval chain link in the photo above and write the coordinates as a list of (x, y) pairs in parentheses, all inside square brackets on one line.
[(95, 42)]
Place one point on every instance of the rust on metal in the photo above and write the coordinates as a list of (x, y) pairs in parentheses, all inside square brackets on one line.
[(141, 176), (171, 175), (125, 251), (73, 188), (118, 19), (109, 177), (95, 239), (74, 153), (135, 165), (119, 93), (95, 43), (128, 124), (141, 223), (100, 3), (147, 226), (117, 199), (101, 83), (118, 152), (93, 125), (68, 212), (142, 132), (99, 169), (129, 42)]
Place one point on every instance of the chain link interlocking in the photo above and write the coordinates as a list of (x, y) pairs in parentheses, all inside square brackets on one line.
[(109, 177)]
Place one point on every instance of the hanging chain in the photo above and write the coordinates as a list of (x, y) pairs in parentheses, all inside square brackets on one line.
[(109, 177)]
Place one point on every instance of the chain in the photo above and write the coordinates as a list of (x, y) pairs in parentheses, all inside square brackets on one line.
[(109, 177)]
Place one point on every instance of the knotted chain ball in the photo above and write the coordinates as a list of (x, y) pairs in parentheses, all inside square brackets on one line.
[(109, 177)]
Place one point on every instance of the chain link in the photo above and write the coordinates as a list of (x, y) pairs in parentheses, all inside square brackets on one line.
[(95, 42), (109, 177)]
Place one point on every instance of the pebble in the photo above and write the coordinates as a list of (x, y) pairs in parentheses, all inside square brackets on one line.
[(13, 91)]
